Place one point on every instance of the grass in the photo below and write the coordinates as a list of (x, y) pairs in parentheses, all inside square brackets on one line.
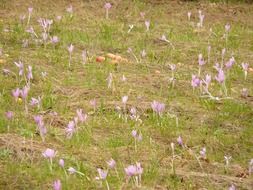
[(224, 127)]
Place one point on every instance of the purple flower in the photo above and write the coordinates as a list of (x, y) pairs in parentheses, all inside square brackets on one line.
[(189, 15), (38, 119), (108, 6), (70, 129), (244, 92), (220, 77), (16, 93), (93, 103), (49, 153), (54, 40), (230, 63), (134, 133), (35, 101), (20, 65), (24, 92), (133, 170), (202, 152), (142, 14), (130, 170), (180, 141), (158, 107), (111, 163), (69, 9), (30, 10), (9, 115), (227, 27), (195, 81), (61, 163), (82, 117), (251, 166), (72, 170), (102, 174), (245, 66), (172, 67), (201, 60), (57, 185), (70, 48), (147, 24), (143, 53), (124, 99), (232, 187), (30, 74)]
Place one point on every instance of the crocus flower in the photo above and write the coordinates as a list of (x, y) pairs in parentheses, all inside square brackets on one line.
[(134, 133), (111, 163), (158, 107), (16, 93), (251, 167), (180, 141), (35, 101), (201, 60), (30, 10), (227, 28), (123, 78), (84, 56), (244, 92), (58, 17), (82, 117), (57, 185), (124, 99), (9, 115), (30, 74), (147, 24), (20, 65), (232, 187), (109, 80), (189, 15), (70, 50), (195, 81), (207, 81), (142, 14), (54, 40), (49, 153), (24, 92), (245, 67), (72, 170), (70, 9), (61, 163), (230, 63), (107, 6), (130, 170), (102, 174), (143, 53), (93, 103), (202, 153), (220, 77), (70, 129)]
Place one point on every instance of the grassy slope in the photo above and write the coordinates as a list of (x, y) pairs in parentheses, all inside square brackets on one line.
[(224, 127)]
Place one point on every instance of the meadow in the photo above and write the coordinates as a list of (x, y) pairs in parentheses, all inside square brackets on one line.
[(126, 94)]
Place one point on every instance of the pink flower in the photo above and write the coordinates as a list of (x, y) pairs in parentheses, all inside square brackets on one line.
[(108, 6), (124, 99), (142, 14), (82, 117), (61, 163), (35, 101), (180, 141), (49, 153), (54, 40), (57, 185), (30, 10), (9, 115), (70, 9), (72, 170), (158, 107), (220, 77), (195, 81), (70, 129), (111, 163), (134, 133), (230, 63), (201, 60), (147, 24), (24, 92), (20, 65), (133, 170), (244, 92), (203, 152), (189, 15), (227, 27), (245, 66), (70, 48), (16, 93), (102, 174)]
